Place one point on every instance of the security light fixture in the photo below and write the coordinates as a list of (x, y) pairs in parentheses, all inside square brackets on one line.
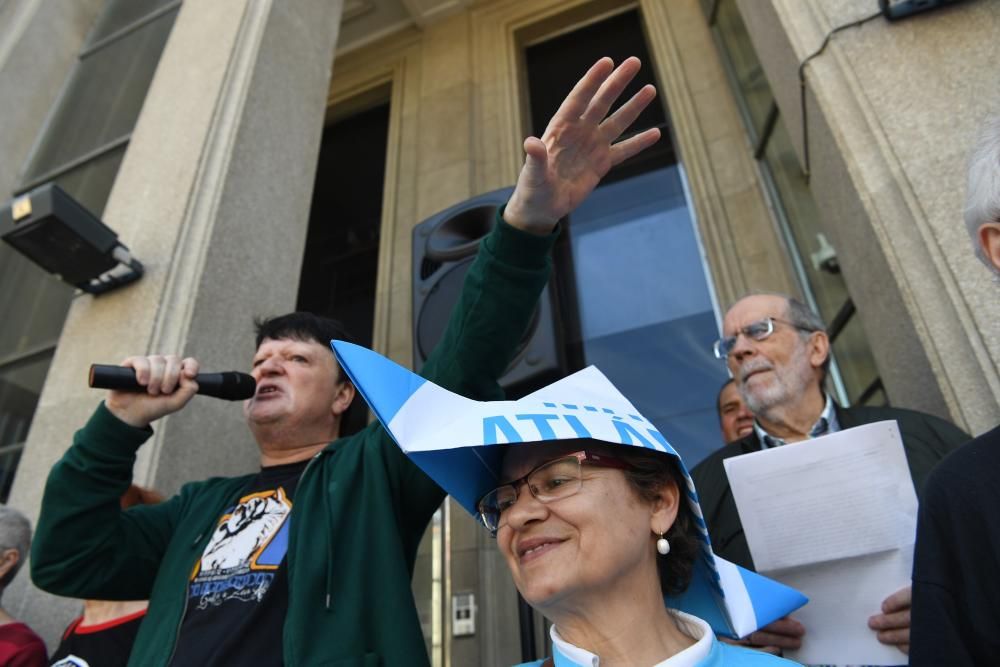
[(894, 10), (60, 235)]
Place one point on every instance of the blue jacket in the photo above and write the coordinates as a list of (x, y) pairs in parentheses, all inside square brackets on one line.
[(721, 655)]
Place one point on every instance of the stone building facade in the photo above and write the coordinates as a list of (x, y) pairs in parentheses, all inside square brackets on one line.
[(846, 190)]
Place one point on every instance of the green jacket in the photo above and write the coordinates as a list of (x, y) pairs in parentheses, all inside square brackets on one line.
[(361, 506)]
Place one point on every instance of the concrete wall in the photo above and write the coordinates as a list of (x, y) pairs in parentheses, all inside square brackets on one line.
[(213, 197), (892, 112)]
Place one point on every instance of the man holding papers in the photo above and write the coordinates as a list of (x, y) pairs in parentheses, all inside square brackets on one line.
[(778, 351)]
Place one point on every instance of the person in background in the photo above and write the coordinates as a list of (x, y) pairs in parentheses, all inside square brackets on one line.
[(19, 645), (956, 590), (105, 633), (735, 418), (778, 352)]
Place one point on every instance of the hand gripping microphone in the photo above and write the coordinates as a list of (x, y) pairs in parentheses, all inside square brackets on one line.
[(231, 386)]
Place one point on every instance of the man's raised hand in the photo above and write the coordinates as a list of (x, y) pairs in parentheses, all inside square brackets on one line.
[(577, 148)]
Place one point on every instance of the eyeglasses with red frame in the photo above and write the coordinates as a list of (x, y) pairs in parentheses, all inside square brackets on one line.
[(552, 480)]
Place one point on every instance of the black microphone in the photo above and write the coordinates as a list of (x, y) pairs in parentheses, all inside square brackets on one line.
[(231, 386)]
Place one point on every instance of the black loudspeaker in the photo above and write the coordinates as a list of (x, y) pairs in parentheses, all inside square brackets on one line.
[(444, 247)]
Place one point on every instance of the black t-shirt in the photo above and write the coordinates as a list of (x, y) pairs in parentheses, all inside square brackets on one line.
[(104, 645), (238, 595)]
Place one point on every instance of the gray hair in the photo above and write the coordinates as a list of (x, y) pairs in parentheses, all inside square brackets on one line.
[(798, 312), (15, 533), (803, 316), (982, 197)]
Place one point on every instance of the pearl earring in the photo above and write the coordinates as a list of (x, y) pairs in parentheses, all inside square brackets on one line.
[(662, 545)]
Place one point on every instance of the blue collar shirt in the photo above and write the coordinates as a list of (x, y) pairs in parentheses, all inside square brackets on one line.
[(707, 651)]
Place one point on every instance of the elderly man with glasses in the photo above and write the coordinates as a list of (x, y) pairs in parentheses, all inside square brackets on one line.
[(778, 353)]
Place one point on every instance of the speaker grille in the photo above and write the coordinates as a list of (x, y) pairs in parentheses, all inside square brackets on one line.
[(441, 300), (428, 267), (444, 247)]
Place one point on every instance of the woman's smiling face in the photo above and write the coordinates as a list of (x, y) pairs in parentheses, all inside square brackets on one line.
[(575, 549)]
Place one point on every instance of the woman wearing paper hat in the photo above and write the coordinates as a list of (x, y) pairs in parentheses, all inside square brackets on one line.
[(593, 511)]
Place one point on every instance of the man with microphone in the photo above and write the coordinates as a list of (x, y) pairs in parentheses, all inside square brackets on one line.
[(309, 561)]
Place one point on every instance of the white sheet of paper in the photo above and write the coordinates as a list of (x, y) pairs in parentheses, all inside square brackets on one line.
[(836, 617), (834, 517)]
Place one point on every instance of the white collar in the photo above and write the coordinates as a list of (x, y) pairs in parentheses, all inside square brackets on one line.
[(568, 655)]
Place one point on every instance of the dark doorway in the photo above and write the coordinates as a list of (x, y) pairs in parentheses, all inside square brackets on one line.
[(340, 263), (341, 256), (555, 65)]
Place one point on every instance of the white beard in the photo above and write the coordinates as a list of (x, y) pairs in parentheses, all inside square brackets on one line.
[(787, 384)]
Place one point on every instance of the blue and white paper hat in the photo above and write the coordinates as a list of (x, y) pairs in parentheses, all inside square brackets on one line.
[(453, 438)]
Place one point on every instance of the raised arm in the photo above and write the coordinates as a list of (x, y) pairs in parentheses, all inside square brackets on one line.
[(579, 146), (504, 282)]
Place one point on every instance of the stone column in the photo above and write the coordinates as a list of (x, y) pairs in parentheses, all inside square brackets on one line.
[(213, 196)]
